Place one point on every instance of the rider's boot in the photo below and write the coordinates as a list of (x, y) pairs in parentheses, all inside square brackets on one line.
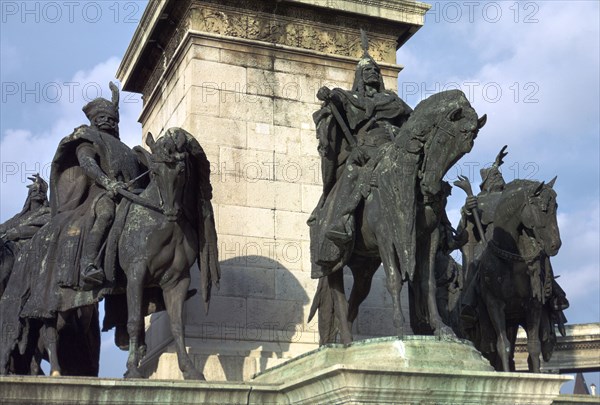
[(92, 275)]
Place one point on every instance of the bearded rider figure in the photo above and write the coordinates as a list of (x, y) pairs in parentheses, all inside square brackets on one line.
[(89, 168), (351, 126)]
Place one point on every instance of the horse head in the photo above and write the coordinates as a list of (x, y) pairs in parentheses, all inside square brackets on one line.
[(167, 166), (539, 217), (446, 125)]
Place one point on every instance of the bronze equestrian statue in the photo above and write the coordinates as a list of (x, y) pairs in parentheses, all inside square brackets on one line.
[(382, 171)]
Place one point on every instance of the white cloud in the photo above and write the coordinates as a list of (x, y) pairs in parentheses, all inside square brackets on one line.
[(23, 153)]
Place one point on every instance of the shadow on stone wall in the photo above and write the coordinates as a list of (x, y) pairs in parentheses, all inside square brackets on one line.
[(257, 319)]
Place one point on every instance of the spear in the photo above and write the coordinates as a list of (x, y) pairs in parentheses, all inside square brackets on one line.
[(464, 184)]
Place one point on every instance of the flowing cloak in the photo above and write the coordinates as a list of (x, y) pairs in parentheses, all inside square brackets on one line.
[(24, 225), (49, 262), (383, 110)]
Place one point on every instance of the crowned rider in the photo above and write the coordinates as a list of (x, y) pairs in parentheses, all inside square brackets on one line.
[(351, 125)]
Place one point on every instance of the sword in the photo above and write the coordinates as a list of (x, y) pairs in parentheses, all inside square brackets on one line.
[(338, 117)]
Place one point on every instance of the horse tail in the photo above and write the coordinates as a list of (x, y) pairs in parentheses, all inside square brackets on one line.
[(323, 302), (316, 300), (208, 255)]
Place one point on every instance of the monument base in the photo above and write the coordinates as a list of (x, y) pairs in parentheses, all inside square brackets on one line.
[(418, 369)]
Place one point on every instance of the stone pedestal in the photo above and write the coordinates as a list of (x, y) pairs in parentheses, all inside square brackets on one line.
[(242, 76), (416, 370)]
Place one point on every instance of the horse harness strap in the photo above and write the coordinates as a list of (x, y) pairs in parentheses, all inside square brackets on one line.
[(513, 257), (139, 200)]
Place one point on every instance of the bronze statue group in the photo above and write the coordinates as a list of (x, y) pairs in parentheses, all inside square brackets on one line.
[(126, 225)]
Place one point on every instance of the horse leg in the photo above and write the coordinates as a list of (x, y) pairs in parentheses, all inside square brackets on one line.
[(135, 292), (50, 334), (174, 298), (534, 347), (340, 305), (435, 320), (511, 333), (394, 286), (363, 270), (495, 309)]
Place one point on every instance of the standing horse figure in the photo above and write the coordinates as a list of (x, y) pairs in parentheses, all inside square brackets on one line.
[(514, 280), (397, 223), (158, 245)]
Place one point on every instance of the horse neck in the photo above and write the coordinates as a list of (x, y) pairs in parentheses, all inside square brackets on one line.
[(507, 223), (151, 192)]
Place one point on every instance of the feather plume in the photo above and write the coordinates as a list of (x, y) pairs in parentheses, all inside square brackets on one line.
[(364, 40), (115, 95)]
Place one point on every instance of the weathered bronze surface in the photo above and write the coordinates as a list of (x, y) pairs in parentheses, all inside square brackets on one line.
[(382, 198), (109, 231), (510, 281)]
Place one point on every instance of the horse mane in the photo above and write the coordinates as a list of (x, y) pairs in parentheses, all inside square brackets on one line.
[(513, 196), (178, 141), (427, 113), (197, 205)]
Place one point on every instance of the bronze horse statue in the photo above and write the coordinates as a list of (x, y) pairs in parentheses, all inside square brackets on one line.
[(397, 222), (159, 245), (157, 237), (514, 277)]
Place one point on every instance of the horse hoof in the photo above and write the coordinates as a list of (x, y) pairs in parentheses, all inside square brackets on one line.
[(193, 375), (55, 373), (133, 373)]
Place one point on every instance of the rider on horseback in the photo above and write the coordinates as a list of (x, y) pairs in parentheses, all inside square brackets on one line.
[(351, 126), (89, 167), (492, 186), (15, 232), (33, 216)]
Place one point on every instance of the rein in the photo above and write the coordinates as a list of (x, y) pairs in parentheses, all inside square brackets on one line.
[(513, 257), (139, 200), (136, 198)]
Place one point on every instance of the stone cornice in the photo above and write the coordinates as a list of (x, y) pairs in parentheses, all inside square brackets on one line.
[(389, 22), (141, 35), (386, 9)]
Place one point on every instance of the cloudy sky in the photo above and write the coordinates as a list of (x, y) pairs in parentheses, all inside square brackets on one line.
[(533, 67)]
